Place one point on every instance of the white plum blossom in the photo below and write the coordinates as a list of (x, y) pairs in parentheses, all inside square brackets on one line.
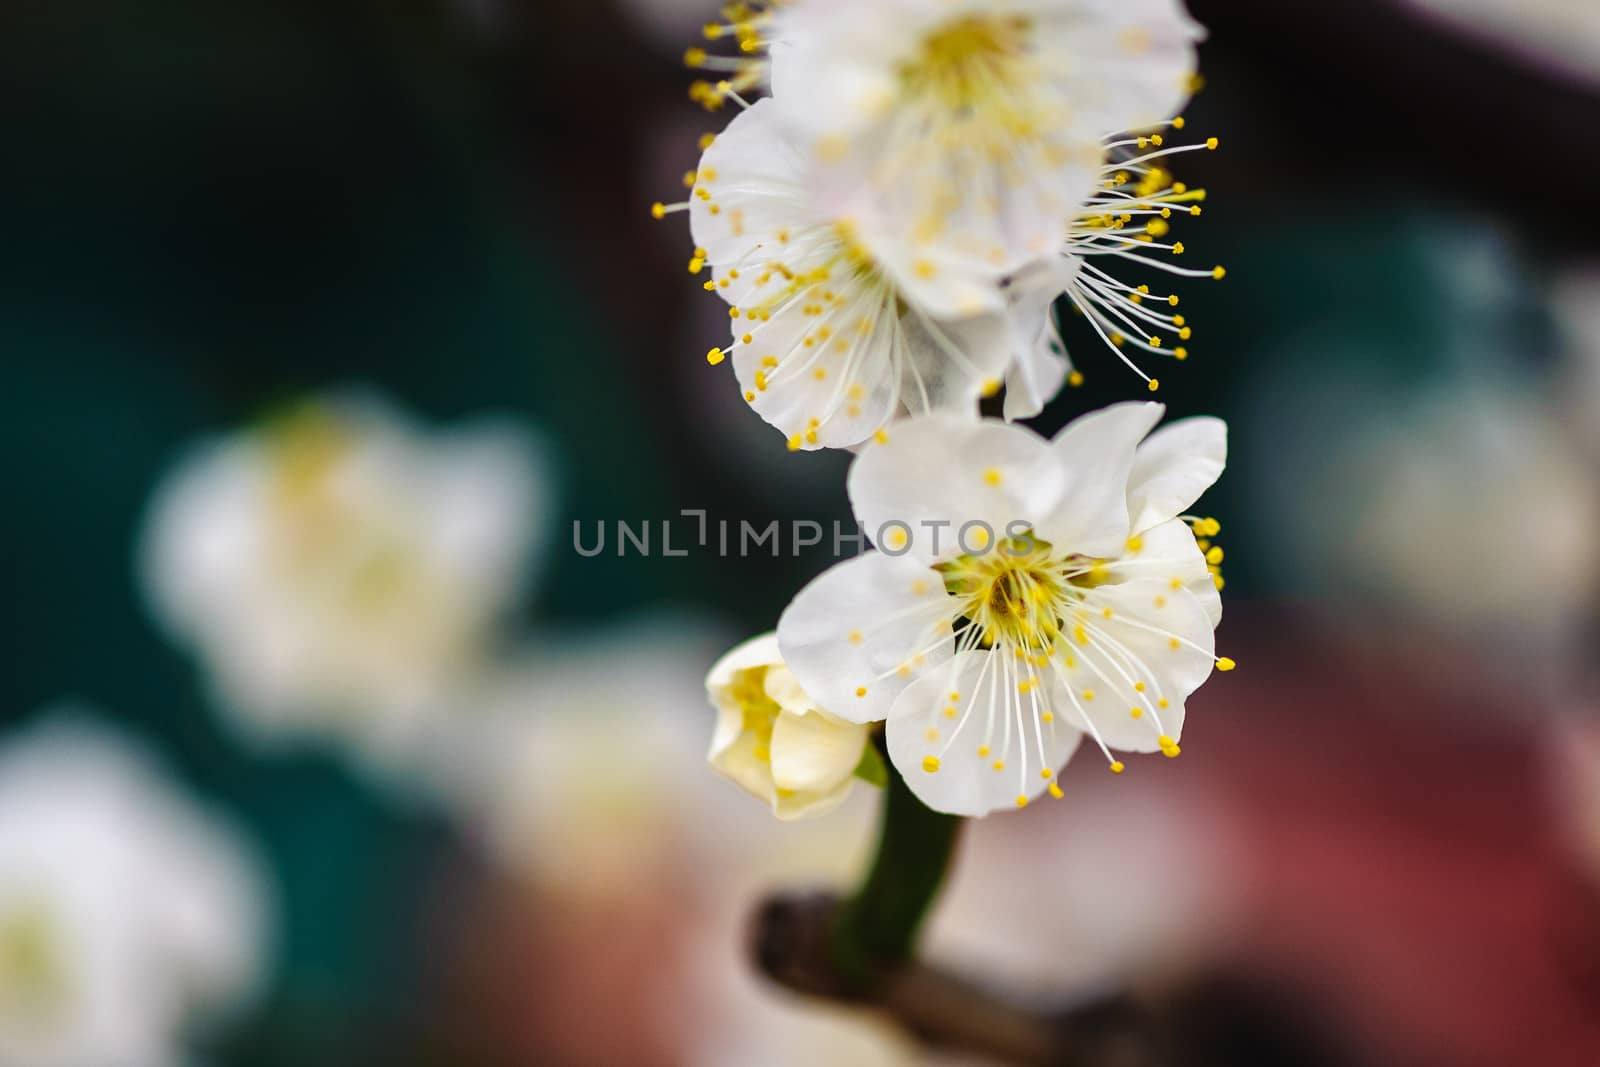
[(127, 914), (340, 570), (972, 131), (1024, 593), (829, 342), (847, 313), (773, 741)]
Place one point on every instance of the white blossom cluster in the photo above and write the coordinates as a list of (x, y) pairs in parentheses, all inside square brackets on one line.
[(892, 225)]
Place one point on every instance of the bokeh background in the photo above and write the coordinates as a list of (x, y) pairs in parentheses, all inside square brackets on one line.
[(1382, 844)]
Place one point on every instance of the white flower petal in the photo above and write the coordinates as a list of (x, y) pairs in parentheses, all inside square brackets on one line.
[(823, 390), (756, 190), (759, 651), (1040, 365), (1095, 454), (815, 752), (952, 363), (997, 747), (1124, 64), (862, 630), (1169, 551), (1155, 647), (739, 763), (983, 174), (935, 475), (1173, 467)]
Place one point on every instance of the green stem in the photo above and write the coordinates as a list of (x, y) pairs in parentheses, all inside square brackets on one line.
[(876, 929)]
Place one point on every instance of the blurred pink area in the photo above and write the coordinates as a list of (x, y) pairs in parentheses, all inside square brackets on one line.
[(1404, 864), (1346, 824)]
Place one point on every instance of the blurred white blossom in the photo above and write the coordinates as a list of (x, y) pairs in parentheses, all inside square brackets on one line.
[(127, 914), (1468, 509), (582, 757), (341, 570), (1561, 32), (583, 775), (1577, 308)]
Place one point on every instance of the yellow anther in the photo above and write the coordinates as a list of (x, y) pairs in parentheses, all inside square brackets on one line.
[(714, 356), (794, 443), (999, 764), (881, 437), (1178, 122), (1211, 143), (990, 387), (1177, 248), (706, 139), (1226, 664), (658, 210), (1180, 353), (1075, 379), (1047, 717), (1172, 752), (1137, 713), (1218, 273), (1214, 556), (1117, 767), (1088, 694), (991, 476), (983, 751), (1155, 383), (1055, 791), (855, 637), (861, 691), (694, 57), (1022, 801), (930, 764)]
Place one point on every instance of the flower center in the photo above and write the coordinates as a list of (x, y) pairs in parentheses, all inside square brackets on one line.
[(968, 58), (760, 711), (31, 978), (1019, 593)]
